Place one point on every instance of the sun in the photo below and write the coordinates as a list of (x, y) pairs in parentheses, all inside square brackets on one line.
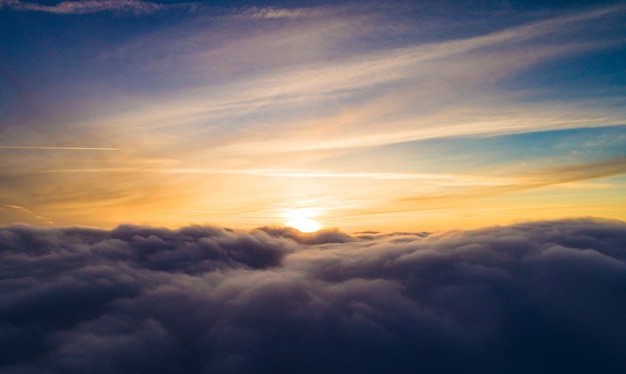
[(304, 224), (300, 219)]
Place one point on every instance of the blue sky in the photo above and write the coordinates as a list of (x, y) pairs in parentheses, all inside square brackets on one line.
[(312, 186), (404, 115)]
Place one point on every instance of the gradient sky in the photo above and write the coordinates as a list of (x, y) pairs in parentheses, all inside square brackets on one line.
[(360, 115)]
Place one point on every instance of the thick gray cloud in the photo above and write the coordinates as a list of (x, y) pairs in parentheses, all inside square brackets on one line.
[(535, 297)]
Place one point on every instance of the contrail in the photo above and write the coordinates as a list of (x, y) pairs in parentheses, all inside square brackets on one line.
[(61, 148)]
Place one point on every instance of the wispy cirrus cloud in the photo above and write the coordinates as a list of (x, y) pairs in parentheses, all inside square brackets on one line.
[(536, 179), (53, 148), (85, 7), (21, 214), (270, 97), (437, 81), (279, 13), (144, 7)]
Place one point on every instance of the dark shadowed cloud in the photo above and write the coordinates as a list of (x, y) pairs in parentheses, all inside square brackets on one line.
[(534, 297)]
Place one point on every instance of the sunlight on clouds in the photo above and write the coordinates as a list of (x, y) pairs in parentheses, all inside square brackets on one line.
[(184, 182), (302, 219)]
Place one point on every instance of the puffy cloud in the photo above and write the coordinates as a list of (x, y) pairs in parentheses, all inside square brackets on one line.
[(533, 297)]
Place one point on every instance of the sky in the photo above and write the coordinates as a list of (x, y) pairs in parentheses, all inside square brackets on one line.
[(312, 186), (356, 115)]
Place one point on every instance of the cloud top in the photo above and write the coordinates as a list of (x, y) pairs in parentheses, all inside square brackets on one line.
[(533, 297)]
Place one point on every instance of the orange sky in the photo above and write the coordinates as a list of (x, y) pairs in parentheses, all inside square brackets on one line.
[(368, 117)]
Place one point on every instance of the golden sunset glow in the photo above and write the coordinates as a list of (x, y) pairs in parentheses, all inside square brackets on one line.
[(302, 220), (279, 111), (304, 224), (210, 186)]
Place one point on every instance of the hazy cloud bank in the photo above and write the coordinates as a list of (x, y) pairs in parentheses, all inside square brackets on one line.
[(533, 297)]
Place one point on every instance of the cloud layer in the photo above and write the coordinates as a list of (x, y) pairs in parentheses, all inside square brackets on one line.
[(534, 297)]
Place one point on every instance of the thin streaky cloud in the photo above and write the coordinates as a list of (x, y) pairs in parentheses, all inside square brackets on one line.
[(143, 170), (380, 67), (540, 178), (270, 108), (61, 148), (278, 13), (25, 212), (439, 126), (321, 82), (146, 7), (561, 175), (16, 207), (442, 179), (85, 7)]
